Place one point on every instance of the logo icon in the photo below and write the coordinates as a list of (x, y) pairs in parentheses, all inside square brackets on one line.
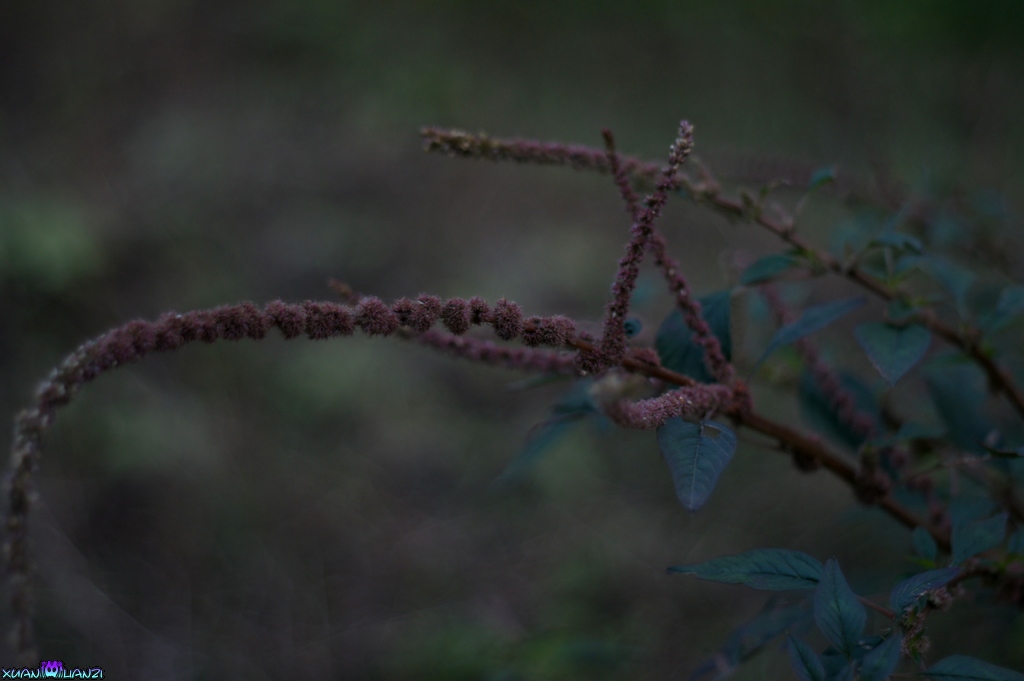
[(51, 669)]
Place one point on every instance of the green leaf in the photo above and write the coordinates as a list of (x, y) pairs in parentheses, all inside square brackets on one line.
[(575, 405), (805, 661), (838, 613), (955, 279), (893, 350), (957, 390), (848, 673), (814, 319), (906, 593), (1009, 306), (964, 668), (768, 268), (898, 241), (765, 569), (963, 510), (970, 539), (821, 177), (749, 639), (674, 341), (696, 454), (882, 659), (924, 543), (1016, 543)]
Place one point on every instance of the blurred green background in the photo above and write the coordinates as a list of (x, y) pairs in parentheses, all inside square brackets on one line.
[(327, 510)]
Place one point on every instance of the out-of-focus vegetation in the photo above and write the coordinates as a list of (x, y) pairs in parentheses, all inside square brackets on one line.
[(328, 509)]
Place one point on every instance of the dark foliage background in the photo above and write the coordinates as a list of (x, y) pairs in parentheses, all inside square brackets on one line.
[(326, 510)]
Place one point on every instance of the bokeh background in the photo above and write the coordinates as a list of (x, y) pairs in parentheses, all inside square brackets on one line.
[(328, 510)]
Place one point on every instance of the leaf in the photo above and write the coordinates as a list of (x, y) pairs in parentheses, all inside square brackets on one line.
[(814, 318), (955, 279), (970, 539), (835, 663), (748, 640), (964, 668), (821, 177), (898, 241), (963, 510), (882, 660), (573, 406), (765, 569), (848, 673), (805, 661), (956, 389), (696, 454), (1009, 306), (893, 350), (924, 543), (768, 268), (906, 593), (674, 340), (1016, 543), (819, 413), (838, 613)]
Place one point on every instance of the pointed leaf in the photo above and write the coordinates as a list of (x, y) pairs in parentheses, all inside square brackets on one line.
[(957, 390), (573, 406), (766, 569), (1009, 306), (848, 673), (953, 278), (924, 543), (899, 241), (964, 668), (768, 268), (882, 659), (541, 439), (674, 339), (805, 661), (893, 350), (814, 318), (906, 593), (838, 613), (963, 510), (834, 662), (696, 454), (751, 638), (973, 538)]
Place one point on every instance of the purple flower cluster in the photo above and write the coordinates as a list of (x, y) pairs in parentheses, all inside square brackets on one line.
[(529, 359), (459, 143), (718, 365), (697, 401), (843, 404), (317, 320), (613, 342)]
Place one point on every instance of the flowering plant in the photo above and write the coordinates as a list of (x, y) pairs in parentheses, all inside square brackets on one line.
[(689, 390)]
